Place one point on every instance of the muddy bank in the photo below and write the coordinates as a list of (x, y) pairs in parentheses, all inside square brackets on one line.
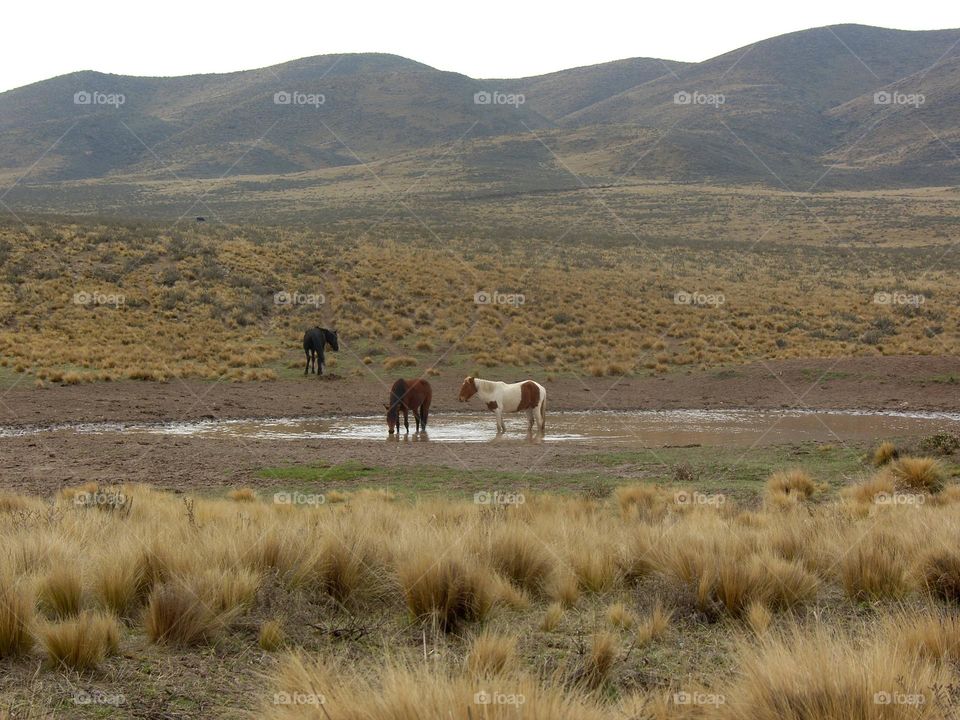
[(892, 383)]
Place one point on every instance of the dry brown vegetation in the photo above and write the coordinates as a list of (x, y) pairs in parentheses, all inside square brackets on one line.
[(87, 302), (554, 604)]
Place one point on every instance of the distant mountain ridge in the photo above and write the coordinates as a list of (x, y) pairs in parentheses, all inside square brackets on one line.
[(803, 109)]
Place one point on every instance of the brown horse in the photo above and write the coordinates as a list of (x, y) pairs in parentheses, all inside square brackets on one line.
[(413, 395)]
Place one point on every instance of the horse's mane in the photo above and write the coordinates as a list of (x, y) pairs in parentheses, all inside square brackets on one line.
[(397, 392), (480, 382)]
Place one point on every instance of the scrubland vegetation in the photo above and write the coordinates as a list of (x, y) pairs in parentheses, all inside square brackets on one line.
[(651, 602), (88, 302)]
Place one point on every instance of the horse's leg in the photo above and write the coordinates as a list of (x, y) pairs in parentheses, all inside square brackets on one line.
[(500, 426), (406, 419), (306, 368), (542, 414), (320, 361), (529, 420), (416, 418), (424, 410)]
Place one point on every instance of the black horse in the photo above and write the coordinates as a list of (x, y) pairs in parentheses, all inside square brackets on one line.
[(314, 341)]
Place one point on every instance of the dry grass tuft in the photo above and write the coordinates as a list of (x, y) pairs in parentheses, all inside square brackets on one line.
[(875, 568), (16, 619), (758, 617), (242, 494), (271, 636), (924, 474), (654, 625), (791, 485), (939, 571), (620, 616), (491, 654), (82, 642), (552, 617), (60, 592), (177, 615), (448, 591), (599, 660), (884, 453), (521, 556), (818, 674)]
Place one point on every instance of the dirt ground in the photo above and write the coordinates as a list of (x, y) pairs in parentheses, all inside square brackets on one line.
[(45, 461)]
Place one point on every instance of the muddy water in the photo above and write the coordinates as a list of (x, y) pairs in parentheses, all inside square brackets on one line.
[(644, 428)]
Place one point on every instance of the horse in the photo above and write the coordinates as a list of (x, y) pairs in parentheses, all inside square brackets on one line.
[(501, 397), (405, 395), (314, 341)]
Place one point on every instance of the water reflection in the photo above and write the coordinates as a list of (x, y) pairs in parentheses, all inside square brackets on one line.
[(642, 428)]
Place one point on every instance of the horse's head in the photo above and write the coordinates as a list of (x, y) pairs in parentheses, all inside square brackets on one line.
[(332, 339), (468, 389), (393, 417)]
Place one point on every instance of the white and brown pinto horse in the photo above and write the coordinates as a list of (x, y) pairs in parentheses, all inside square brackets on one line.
[(501, 397)]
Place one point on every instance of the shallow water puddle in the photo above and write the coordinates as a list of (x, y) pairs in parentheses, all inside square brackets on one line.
[(647, 428)]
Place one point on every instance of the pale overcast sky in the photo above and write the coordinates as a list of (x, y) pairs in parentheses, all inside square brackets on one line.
[(495, 38)]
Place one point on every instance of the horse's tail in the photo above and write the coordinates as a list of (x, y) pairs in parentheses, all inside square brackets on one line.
[(543, 410)]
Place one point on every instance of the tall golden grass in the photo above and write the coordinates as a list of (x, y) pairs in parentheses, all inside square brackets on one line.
[(636, 572)]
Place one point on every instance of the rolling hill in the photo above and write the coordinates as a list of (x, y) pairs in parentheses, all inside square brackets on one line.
[(795, 111)]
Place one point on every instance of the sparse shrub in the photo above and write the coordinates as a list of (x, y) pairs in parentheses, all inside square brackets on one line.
[(941, 443), (401, 361)]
